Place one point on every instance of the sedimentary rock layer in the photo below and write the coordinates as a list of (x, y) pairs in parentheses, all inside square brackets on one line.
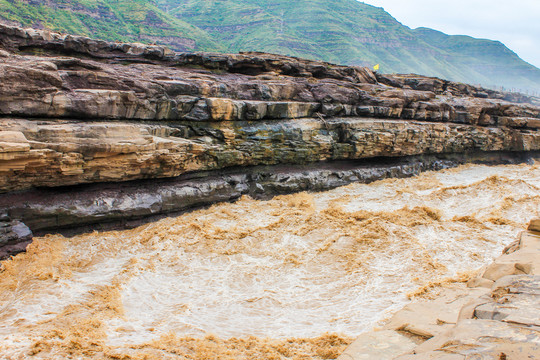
[(55, 153), (77, 111), (126, 204)]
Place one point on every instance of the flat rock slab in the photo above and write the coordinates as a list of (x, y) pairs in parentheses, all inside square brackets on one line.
[(381, 345), (530, 241), (516, 299), (428, 318), (481, 339), (523, 261)]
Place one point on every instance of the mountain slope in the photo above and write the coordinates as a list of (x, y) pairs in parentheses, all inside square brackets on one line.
[(122, 20), (488, 61), (338, 31), (353, 33)]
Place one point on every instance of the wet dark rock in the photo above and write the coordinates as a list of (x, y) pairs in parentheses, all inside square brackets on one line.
[(128, 204), (14, 236)]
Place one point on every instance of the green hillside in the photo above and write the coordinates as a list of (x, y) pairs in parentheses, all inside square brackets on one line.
[(351, 32), (338, 31), (122, 20), (487, 62)]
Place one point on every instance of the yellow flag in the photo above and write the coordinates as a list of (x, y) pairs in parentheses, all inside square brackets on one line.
[(376, 67)]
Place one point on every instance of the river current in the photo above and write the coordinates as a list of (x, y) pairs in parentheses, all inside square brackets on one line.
[(294, 277)]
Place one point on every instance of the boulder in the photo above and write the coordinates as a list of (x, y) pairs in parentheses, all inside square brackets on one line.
[(14, 236), (534, 225)]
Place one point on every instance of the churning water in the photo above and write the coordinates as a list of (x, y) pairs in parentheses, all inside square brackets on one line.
[(260, 279)]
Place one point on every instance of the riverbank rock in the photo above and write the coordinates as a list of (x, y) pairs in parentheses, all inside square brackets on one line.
[(14, 236), (500, 322), (429, 318), (380, 345), (78, 113), (534, 225)]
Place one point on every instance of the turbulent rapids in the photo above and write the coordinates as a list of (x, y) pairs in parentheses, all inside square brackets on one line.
[(297, 276)]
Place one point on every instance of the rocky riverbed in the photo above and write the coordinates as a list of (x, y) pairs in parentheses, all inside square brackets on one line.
[(495, 315)]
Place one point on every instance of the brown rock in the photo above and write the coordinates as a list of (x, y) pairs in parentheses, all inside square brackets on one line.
[(78, 111), (428, 318), (74, 152), (534, 225)]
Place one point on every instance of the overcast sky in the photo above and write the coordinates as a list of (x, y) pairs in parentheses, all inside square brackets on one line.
[(514, 23)]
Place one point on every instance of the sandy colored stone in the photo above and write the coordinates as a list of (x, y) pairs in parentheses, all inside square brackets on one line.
[(485, 338), (534, 225), (523, 261), (432, 355), (381, 345), (530, 240), (515, 299), (467, 311), (428, 318), (480, 282), (500, 269)]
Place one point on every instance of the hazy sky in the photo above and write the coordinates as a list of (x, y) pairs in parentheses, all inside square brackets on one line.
[(514, 23)]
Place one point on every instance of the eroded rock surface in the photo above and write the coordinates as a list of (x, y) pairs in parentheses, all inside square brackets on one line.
[(14, 236), (498, 318), (77, 111)]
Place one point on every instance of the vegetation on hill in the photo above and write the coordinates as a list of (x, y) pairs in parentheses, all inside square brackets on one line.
[(122, 20), (338, 31), (351, 32), (486, 62)]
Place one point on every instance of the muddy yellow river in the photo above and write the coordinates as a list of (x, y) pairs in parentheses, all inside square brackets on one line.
[(294, 277)]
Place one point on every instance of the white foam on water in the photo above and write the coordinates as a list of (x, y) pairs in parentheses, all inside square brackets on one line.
[(295, 266)]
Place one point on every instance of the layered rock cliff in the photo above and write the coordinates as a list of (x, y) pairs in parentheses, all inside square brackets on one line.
[(77, 113), (339, 31)]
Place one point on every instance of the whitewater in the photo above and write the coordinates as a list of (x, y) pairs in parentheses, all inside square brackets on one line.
[(297, 276)]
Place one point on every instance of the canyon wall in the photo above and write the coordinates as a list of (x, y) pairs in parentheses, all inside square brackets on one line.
[(94, 132)]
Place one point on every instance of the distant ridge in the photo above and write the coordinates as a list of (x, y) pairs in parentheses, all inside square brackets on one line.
[(339, 31)]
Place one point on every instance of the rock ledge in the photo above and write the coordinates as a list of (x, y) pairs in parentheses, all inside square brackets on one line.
[(78, 114), (497, 316)]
